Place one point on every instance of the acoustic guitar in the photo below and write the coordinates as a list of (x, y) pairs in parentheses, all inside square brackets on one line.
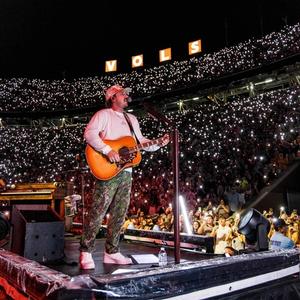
[(129, 152)]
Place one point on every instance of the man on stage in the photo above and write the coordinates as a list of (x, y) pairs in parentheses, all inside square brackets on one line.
[(279, 240), (111, 123)]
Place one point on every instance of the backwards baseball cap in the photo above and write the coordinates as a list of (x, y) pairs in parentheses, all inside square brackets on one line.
[(114, 89)]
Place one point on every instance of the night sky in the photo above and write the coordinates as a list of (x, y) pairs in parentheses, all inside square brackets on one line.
[(56, 39)]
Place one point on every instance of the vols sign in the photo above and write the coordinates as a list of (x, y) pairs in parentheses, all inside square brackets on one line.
[(195, 47), (164, 55), (110, 66), (137, 61)]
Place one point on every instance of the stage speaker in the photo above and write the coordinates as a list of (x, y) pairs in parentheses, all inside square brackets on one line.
[(37, 233)]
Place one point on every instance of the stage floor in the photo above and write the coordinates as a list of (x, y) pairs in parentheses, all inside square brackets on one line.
[(70, 266), (198, 276)]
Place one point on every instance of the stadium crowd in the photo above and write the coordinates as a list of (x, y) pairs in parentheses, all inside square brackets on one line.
[(232, 150), (23, 94)]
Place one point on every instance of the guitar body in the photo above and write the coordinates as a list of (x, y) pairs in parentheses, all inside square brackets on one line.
[(100, 165)]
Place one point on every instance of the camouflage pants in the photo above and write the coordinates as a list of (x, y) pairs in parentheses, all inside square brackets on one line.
[(114, 193)]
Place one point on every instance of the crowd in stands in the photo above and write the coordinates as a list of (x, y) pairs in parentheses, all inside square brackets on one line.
[(231, 150), (234, 149), (25, 95)]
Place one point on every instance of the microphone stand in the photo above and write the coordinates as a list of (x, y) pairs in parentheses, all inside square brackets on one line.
[(175, 167)]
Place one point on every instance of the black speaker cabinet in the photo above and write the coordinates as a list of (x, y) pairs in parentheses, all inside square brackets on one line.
[(37, 233)]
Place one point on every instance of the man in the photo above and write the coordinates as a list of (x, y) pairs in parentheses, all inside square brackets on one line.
[(222, 234), (207, 226), (279, 240), (235, 200), (110, 124)]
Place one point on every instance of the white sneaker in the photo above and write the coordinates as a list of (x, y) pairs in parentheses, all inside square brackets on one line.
[(86, 261), (116, 258)]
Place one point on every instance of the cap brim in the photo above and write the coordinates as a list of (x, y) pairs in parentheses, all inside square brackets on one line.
[(127, 91)]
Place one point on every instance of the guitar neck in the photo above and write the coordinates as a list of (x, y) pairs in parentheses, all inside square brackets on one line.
[(148, 144)]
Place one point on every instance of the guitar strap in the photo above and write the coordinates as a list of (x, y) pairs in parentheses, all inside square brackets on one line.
[(131, 127)]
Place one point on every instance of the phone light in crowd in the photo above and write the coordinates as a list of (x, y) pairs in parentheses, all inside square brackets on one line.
[(185, 215), (274, 220), (282, 208), (107, 216), (170, 205)]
